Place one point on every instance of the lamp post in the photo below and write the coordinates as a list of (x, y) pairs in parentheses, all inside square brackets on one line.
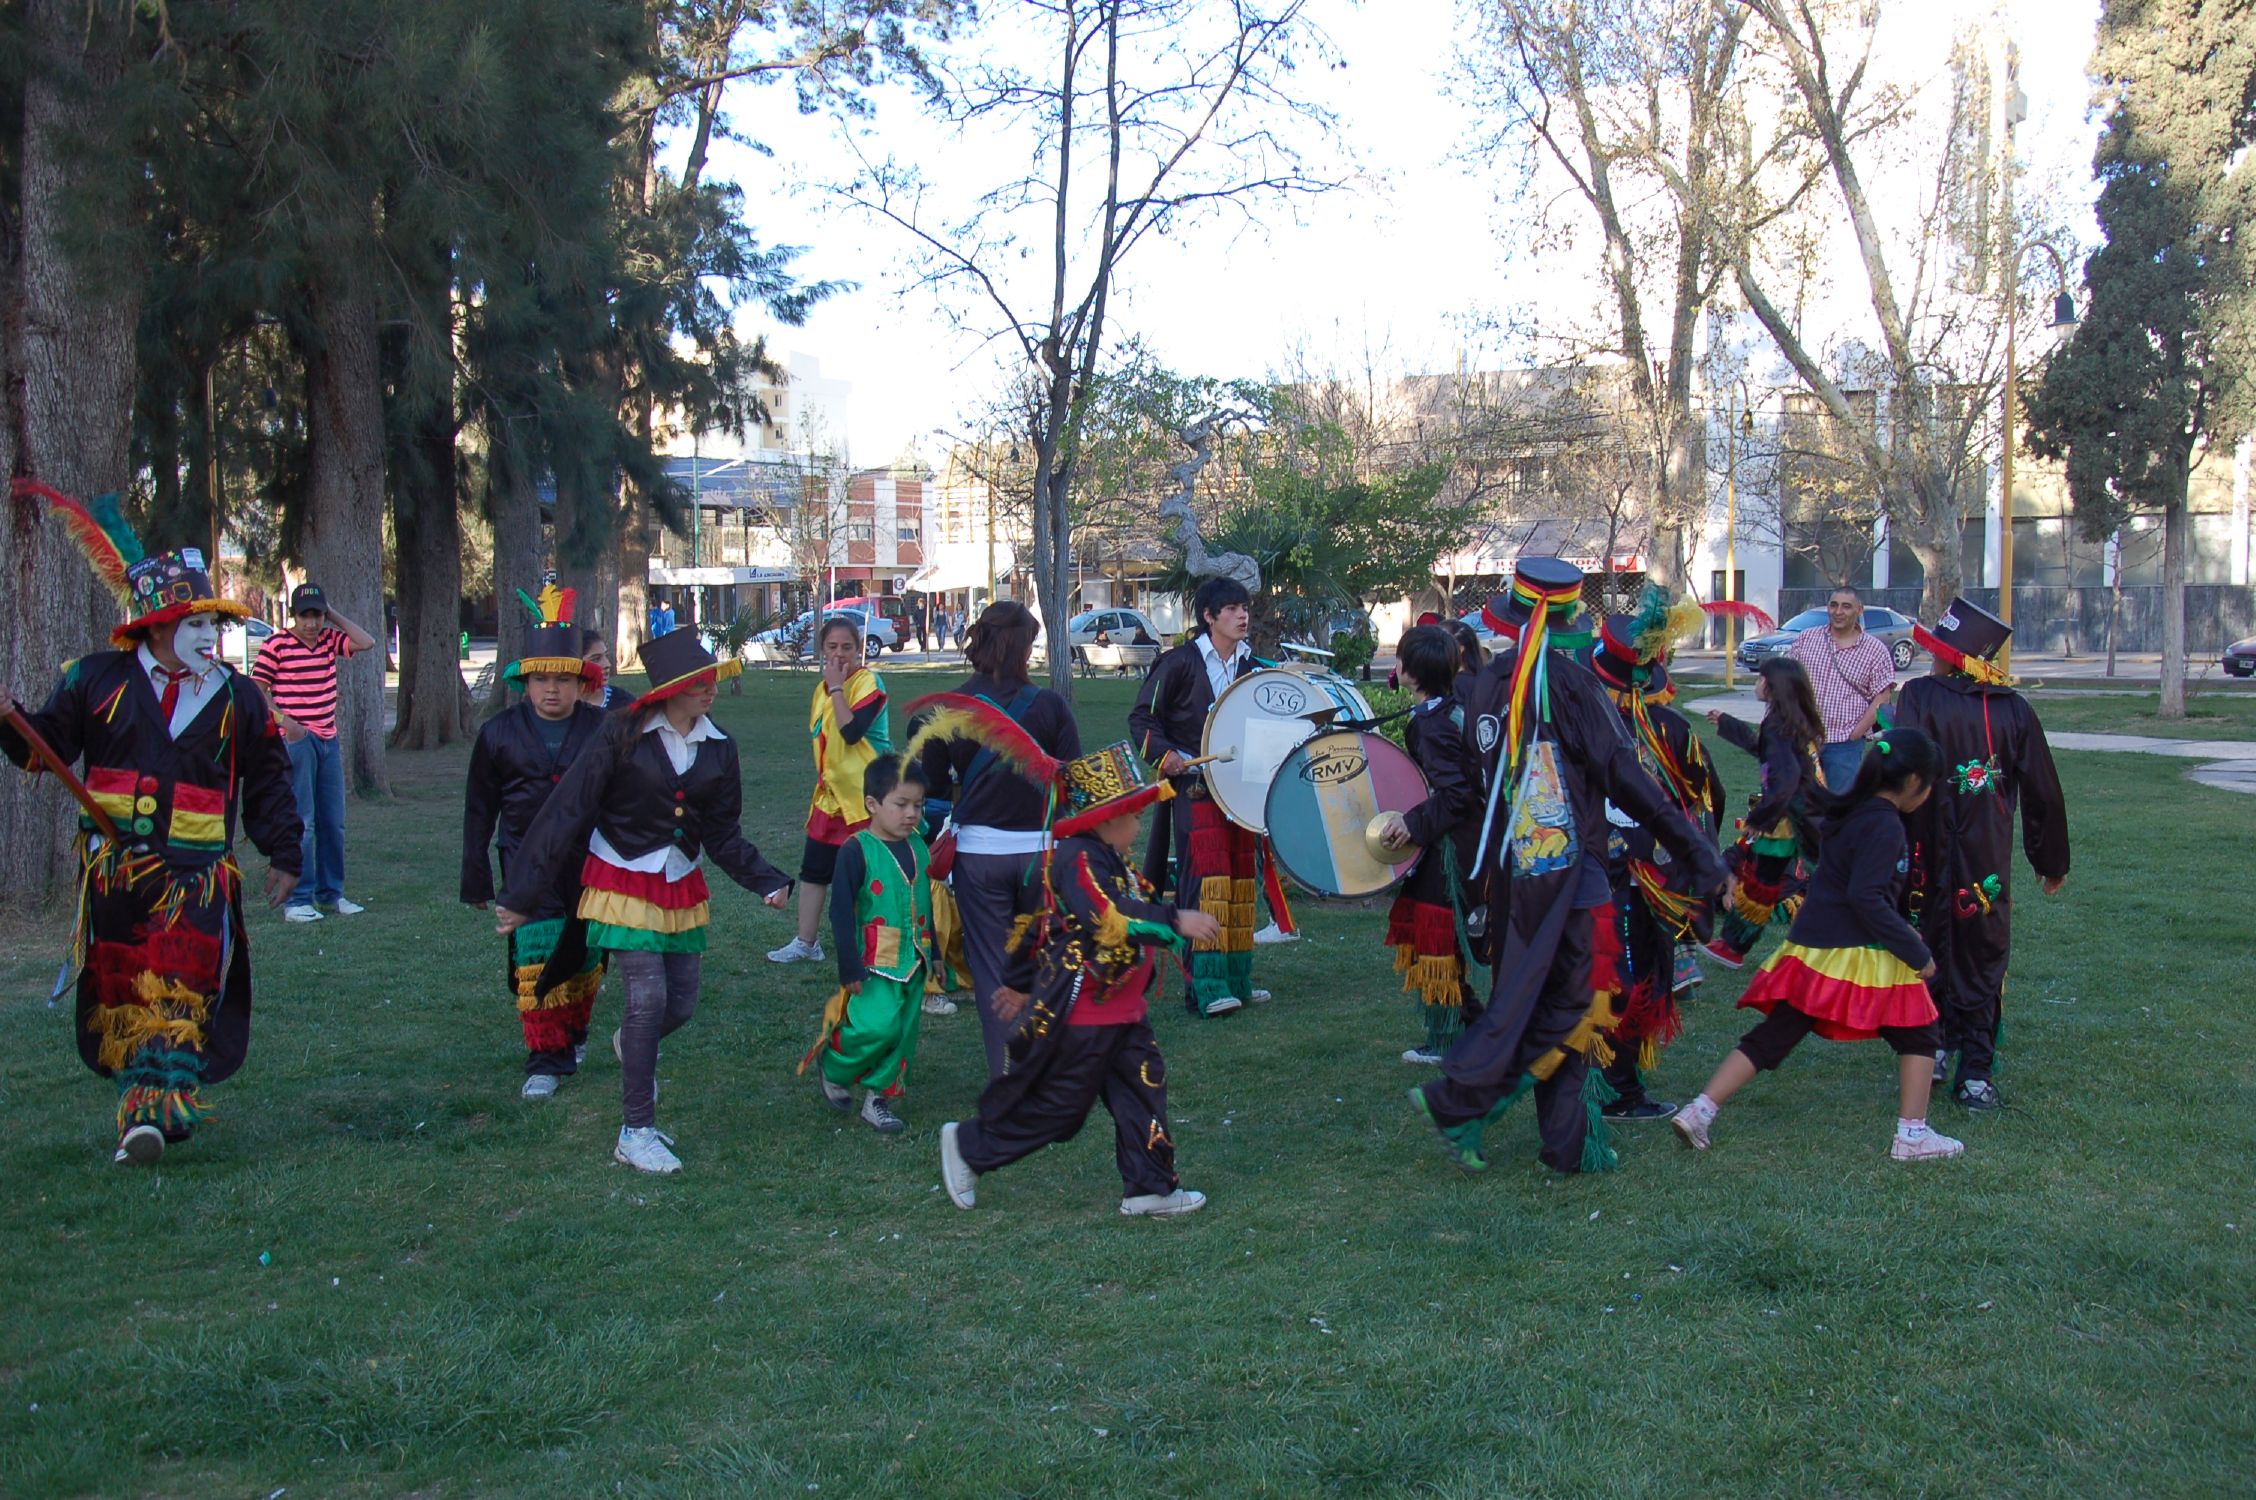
[(1733, 418), (2063, 316)]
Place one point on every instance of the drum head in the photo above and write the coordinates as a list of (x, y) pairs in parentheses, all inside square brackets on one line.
[(1323, 800), (1259, 720)]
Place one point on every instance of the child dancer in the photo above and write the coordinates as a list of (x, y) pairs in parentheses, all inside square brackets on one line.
[(1423, 927), (1774, 834), (1086, 1034), (1851, 967), (846, 724), (881, 927), (661, 785)]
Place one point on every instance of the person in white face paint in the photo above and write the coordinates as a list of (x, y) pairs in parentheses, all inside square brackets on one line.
[(178, 752)]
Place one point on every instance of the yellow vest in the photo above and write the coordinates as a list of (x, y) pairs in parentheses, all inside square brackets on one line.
[(838, 765)]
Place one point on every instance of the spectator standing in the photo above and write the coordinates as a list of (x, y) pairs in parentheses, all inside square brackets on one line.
[(1852, 674), (661, 619), (298, 669)]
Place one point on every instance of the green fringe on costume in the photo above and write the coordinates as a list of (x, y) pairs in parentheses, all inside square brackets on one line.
[(603, 935)]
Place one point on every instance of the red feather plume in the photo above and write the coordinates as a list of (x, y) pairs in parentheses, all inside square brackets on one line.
[(961, 716), (101, 551), (1739, 609)]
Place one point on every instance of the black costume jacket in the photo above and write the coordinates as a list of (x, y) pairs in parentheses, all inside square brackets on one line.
[(1083, 952), (996, 796), (1434, 734), (1994, 760), (1170, 714), (180, 799), (1596, 763), (512, 773), (1788, 776), (624, 786), (1856, 895)]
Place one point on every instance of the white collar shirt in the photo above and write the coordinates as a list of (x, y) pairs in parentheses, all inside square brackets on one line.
[(196, 689), (1219, 669), (681, 753)]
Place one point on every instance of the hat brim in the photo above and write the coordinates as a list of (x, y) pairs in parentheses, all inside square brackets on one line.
[(722, 670), (1981, 668), (1119, 807), (132, 631), (561, 666)]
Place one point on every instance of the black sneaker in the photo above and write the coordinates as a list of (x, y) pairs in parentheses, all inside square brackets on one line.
[(1636, 1109), (1978, 1094)]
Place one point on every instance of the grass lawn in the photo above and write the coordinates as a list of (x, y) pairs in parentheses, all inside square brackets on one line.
[(2221, 713), (381, 1273)]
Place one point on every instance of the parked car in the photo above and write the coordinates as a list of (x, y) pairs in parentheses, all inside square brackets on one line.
[(878, 632), (239, 641), (796, 637), (2240, 658), (1893, 629), (1118, 626)]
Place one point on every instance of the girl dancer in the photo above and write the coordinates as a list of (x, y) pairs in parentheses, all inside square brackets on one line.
[(1775, 832)]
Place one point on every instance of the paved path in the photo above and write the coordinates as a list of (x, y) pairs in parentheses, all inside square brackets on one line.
[(2230, 764)]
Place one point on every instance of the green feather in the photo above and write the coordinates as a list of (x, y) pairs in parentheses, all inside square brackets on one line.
[(105, 510), (533, 605)]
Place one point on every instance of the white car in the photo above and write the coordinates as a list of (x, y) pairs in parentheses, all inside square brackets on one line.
[(1118, 626), (239, 641)]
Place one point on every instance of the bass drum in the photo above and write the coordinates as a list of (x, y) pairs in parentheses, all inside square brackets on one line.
[(1326, 796), (1259, 720)]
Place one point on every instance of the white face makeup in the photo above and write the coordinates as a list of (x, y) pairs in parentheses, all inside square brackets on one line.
[(195, 641)]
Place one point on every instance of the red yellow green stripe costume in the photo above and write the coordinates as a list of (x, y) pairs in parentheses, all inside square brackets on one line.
[(1850, 992), (643, 911)]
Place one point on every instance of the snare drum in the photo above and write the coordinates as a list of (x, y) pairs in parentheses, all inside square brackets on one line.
[(1323, 802), (1259, 720)]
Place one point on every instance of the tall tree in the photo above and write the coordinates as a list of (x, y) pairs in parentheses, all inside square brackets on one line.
[(1148, 113), (71, 268), (2132, 401)]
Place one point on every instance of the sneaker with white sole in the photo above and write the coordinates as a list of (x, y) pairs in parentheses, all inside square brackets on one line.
[(344, 908), (939, 1005), (1224, 1005), (143, 1145), (1978, 1094), (300, 914), (538, 1086), (646, 1149), (879, 1116), (1163, 1205), (958, 1178), (579, 1053), (1942, 1067), (1928, 1145), (840, 1099), (1424, 1057), (1691, 1123), (1275, 934), (1258, 997), (796, 952)]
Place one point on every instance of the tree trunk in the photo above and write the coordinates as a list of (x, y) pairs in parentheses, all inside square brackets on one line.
[(629, 582), (427, 527), (342, 540), (2173, 610), (67, 339), (516, 562), (1939, 551)]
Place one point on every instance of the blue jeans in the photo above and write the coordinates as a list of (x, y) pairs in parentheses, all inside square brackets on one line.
[(317, 776), (1838, 760)]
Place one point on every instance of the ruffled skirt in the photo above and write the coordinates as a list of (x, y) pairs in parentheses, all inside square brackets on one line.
[(1850, 992)]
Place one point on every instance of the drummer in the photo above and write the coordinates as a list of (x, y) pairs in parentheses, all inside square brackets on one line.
[(1215, 859)]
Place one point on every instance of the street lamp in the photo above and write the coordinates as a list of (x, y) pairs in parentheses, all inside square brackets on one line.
[(1736, 417), (2063, 316)]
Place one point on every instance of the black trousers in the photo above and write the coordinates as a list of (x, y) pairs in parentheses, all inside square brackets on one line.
[(1969, 983), (992, 892), (1784, 1028), (1622, 1076), (1561, 1118), (1120, 1065)]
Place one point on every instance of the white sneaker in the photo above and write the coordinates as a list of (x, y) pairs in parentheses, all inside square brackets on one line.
[(1258, 997), (1164, 1205), (1424, 1057), (538, 1086), (879, 1116), (579, 1053), (1275, 934), (840, 1099), (1224, 1006), (939, 1005), (300, 914), (345, 908), (1691, 1124), (960, 1180), (1928, 1145), (645, 1149), (143, 1145), (796, 952)]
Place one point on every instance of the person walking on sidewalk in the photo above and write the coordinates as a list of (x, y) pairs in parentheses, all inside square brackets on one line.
[(298, 669), (1852, 674)]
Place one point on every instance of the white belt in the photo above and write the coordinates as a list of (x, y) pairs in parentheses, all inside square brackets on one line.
[(979, 838)]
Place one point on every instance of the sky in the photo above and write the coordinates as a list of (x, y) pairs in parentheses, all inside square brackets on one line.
[(1401, 270)]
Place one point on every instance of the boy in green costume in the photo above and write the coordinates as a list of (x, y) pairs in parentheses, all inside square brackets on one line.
[(881, 930)]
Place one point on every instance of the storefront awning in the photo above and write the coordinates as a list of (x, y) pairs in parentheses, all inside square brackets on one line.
[(716, 577), (1499, 547)]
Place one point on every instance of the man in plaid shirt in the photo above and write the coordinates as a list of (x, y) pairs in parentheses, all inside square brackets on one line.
[(1853, 674)]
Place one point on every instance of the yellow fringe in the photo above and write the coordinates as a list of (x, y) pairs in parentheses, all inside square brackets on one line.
[(833, 1017), (1436, 981), (173, 1013), (1589, 1036), (620, 910), (579, 987)]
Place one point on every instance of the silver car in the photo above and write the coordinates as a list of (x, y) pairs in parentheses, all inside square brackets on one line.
[(1893, 629)]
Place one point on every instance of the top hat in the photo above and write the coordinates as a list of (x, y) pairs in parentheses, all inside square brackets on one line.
[(1550, 583), (170, 586), (1967, 637), (1615, 658), (552, 643), (677, 661), (1106, 784)]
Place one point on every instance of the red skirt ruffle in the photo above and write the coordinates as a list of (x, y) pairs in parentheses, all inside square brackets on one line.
[(1850, 992), (646, 885)]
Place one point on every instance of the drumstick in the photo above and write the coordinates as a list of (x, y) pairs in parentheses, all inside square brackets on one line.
[(1219, 758)]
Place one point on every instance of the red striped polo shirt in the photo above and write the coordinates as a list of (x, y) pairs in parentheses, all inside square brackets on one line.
[(301, 680)]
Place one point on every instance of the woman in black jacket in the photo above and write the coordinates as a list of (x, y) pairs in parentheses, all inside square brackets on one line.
[(1001, 818), (624, 829)]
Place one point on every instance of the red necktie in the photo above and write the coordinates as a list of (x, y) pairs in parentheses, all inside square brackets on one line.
[(171, 696)]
